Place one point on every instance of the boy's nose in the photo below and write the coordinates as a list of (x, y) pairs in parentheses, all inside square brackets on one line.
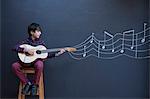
[(40, 32)]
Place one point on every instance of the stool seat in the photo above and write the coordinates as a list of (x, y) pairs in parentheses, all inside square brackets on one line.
[(40, 92)]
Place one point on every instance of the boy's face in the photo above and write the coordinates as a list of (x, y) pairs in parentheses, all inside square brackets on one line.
[(36, 34)]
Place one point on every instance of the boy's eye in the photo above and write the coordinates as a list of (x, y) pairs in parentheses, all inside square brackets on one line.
[(38, 31)]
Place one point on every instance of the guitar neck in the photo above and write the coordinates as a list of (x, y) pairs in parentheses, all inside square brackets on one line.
[(50, 50)]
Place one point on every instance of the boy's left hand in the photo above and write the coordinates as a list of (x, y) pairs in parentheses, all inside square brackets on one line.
[(60, 52)]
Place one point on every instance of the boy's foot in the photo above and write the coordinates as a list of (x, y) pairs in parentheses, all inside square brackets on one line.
[(26, 88), (34, 89)]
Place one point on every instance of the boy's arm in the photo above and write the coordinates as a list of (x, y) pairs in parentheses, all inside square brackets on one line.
[(51, 55), (17, 47)]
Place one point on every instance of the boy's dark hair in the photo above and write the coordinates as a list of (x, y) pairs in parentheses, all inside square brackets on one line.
[(33, 27)]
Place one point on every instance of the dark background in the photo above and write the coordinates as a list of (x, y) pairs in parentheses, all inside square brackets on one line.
[(67, 23), (0, 47), (149, 61)]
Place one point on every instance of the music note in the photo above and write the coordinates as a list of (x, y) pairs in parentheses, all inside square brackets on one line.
[(106, 33), (92, 38), (123, 41), (84, 51), (136, 45), (103, 47), (132, 39), (143, 40), (98, 48), (113, 50)]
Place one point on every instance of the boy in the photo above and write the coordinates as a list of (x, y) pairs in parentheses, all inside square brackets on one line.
[(34, 31)]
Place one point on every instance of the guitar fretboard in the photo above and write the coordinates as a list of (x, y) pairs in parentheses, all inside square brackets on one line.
[(50, 50)]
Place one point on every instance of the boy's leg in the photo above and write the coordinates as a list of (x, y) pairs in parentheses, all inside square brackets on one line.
[(38, 65), (16, 67), (38, 70)]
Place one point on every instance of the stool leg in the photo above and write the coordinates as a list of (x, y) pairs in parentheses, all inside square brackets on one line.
[(41, 87), (20, 95)]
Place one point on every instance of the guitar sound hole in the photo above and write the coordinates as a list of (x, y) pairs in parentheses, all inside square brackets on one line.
[(38, 52)]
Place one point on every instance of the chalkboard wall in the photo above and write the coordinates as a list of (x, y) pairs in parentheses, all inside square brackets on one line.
[(0, 46), (67, 23)]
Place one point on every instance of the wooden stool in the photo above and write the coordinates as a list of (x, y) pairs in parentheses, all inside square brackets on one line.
[(40, 91)]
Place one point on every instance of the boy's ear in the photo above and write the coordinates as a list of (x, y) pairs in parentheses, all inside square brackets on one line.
[(32, 32)]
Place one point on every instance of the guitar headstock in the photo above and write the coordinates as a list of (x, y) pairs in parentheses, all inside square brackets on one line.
[(70, 49)]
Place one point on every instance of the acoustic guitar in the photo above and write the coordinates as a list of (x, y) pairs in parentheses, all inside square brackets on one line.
[(40, 51)]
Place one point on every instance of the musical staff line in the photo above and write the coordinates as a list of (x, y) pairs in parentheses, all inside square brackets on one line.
[(128, 43)]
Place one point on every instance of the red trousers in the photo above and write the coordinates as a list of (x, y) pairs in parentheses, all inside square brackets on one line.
[(38, 65)]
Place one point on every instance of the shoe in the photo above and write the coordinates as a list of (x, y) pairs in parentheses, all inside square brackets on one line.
[(26, 88), (34, 89)]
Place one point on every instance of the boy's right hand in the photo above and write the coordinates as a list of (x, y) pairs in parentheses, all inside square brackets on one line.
[(29, 52)]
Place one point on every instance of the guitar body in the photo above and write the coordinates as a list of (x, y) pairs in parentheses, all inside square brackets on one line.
[(28, 59)]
